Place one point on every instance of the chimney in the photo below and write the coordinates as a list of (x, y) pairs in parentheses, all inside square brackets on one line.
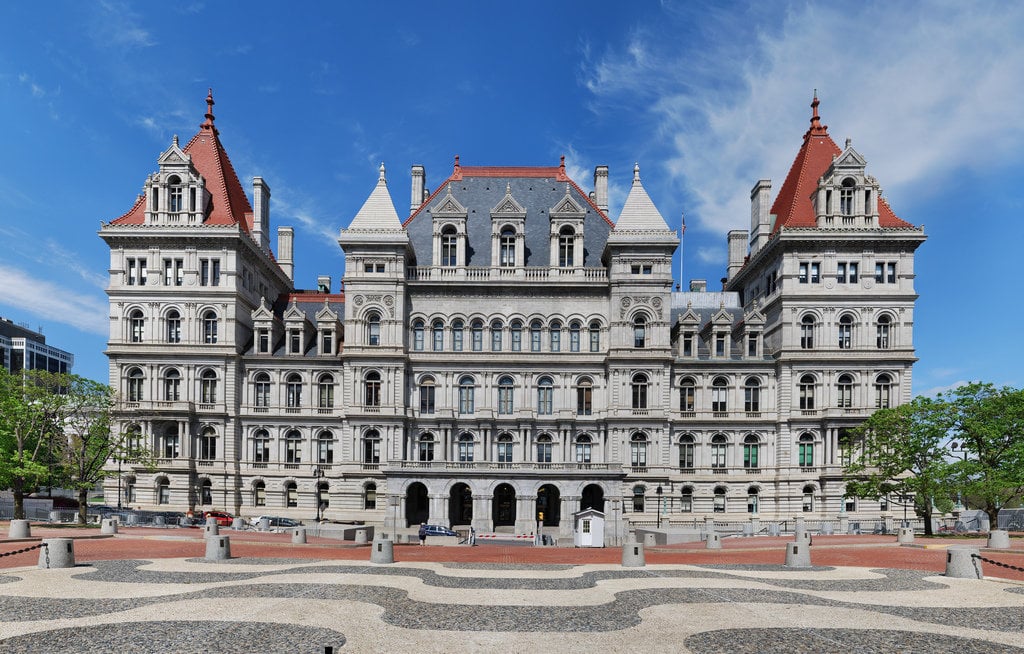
[(323, 283), (760, 223), (601, 188), (737, 251), (261, 213), (419, 180), (285, 240), (698, 285)]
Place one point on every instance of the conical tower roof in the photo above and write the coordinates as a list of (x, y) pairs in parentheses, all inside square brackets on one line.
[(378, 212), (639, 212)]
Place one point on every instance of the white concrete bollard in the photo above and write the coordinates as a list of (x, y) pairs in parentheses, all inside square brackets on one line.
[(803, 537), (159, 521), (57, 553), (108, 526), (238, 523), (633, 555), (211, 530), (211, 520), (773, 529), (826, 529), (264, 524), (20, 529), (361, 536), (299, 535), (218, 548), (999, 539), (905, 536), (962, 564), (798, 555), (650, 540), (714, 542), (382, 551)]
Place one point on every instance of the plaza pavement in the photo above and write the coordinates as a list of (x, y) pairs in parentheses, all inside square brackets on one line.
[(150, 590)]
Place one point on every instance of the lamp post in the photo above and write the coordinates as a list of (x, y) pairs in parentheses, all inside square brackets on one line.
[(394, 501), (961, 449), (118, 483), (317, 476), (615, 520), (659, 491)]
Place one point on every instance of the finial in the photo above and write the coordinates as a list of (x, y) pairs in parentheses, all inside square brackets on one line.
[(561, 163), (508, 188), (849, 141), (208, 123), (174, 140), (457, 166), (636, 172), (816, 126), (381, 178), (567, 188)]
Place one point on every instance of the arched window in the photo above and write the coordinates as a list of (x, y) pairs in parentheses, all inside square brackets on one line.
[(844, 392), (496, 329), (325, 391), (293, 390), (751, 451), (133, 441), (437, 335), (686, 500), (465, 444), (752, 395), (516, 333), (458, 329), (325, 447), (417, 335), (545, 396), (640, 331), (883, 391), (638, 450), (261, 390), (173, 322), (720, 395), (845, 332), (371, 389), (370, 496), (688, 395), (805, 450), (505, 447), (544, 448), (449, 246), (210, 327), (174, 194), (507, 248), (371, 447), (846, 197), (136, 326), (638, 498), (427, 395), (686, 447), (426, 447), (882, 335), (583, 448), (291, 494), (163, 491), (136, 385), (638, 385), (535, 328), (506, 389), (555, 334), (172, 385), (478, 335), (208, 444), (719, 451), (261, 446), (808, 503), (595, 336), (719, 505), (575, 329), (806, 390), (807, 333), (566, 255), (205, 493), (584, 397), (208, 387), (467, 392), (293, 447), (752, 499), (259, 494), (373, 329)]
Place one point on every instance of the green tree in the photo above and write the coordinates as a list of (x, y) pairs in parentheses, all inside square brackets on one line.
[(903, 452), (989, 422), (85, 417)]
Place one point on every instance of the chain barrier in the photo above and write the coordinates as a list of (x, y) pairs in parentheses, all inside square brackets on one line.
[(997, 563), (28, 549)]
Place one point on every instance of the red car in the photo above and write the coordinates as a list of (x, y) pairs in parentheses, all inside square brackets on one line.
[(223, 519)]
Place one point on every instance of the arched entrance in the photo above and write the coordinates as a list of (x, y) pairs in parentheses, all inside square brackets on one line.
[(503, 509), (592, 498), (460, 505), (417, 506), (549, 503)]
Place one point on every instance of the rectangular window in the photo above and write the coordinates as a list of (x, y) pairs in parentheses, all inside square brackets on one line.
[(294, 342), (327, 343), (465, 451), (131, 276), (215, 272), (504, 452), (890, 273), (815, 272), (204, 272), (264, 341), (688, 344), (517, 339), (584, 400), (426, 399), (168, 272), (686, 456), (841, 273), (720, 345), (752, 345), (802, 274), (853, 272), (543, 452)]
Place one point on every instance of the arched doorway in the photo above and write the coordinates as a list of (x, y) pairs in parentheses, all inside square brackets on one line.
[(417, 506), (549, 503), (504, 506), (460, 505), (592, 498)]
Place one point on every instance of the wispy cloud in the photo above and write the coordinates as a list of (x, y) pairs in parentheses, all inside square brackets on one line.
[(54, 301), (924, 93), (118, 26)]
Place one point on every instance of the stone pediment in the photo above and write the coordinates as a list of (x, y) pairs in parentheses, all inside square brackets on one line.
[(326, 313), (294, 313), (721, 317), (567, 207), (263, 312), (754, 317), (508, 207), (174, 157), (449, 207)]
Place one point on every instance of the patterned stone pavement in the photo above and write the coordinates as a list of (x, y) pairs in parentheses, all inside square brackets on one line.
[(309, 605)]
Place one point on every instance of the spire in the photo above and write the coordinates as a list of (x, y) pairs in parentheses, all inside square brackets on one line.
[(816, 129), (639, 212), (208, 123), (381, 178), (561, 166), (378, 212), (636, 173)]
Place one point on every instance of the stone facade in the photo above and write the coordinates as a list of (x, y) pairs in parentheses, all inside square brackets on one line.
[(506, 354)]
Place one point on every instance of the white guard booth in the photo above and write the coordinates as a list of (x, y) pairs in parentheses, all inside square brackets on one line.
[(588, 528)]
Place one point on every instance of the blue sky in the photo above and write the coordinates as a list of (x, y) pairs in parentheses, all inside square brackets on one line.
[(707, 97)]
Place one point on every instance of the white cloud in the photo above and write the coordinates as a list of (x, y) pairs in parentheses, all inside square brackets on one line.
[(923, 92), (936, 390), (55, 302), (119, 26)]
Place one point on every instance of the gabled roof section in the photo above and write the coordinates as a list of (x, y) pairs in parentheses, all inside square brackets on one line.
[(639, 212), (378, 212)]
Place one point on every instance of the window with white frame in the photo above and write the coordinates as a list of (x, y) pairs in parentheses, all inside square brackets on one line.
[(882, 332), (425, 447), (373, 329), (688, 395), (844, 391), (293, 447), (506, 391), (583, 449), (136, 326), (805, 450), (208, 444), (720, 395), (883, 391), (505, 447), (686, 450), (507, 248), (261, 390), (584, 397), (845, 332), (325, 391), (545, 396), (261, 446), (467, 393), (371, 389), (208, 387), (544, 448), (751, 451), (210, 327), (639, 384), (293, 391), (806, 392), (752, 395), (173, 324), (465, 445), (325, 447), (719, 451), (638, 450), (371, 447), (807, 325), (172, 385), (427, 395), (136, 385)]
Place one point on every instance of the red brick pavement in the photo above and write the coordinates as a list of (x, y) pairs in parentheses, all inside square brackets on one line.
[(869, 551)]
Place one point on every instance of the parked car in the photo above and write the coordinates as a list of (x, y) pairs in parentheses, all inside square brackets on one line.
[(438, 530), (223, 518), (276, 522)]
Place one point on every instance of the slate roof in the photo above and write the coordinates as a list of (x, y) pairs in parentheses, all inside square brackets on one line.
[(309, 303), (228, 203), (537, 189)]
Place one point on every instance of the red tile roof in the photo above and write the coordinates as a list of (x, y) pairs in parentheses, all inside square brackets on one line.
[(794, 206), (228, 204)]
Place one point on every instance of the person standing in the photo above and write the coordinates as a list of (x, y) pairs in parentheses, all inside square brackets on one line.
[(423, 533)]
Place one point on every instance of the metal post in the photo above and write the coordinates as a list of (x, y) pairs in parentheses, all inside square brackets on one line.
[(317, 474), (615, 523), (659, 491), (119, 484), (395, 501)]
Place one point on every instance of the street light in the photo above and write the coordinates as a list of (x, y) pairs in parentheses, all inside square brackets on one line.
[(118, 483), (318, 474), (394, 501), (658, 490), (615, 520)]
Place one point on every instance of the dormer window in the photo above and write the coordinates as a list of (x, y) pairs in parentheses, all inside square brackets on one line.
[(566, 249), (846, 197), (294, 341), (449, 246), (174, 194), (507, 248)]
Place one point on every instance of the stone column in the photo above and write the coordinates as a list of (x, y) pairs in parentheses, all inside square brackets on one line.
[(482, 520)]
